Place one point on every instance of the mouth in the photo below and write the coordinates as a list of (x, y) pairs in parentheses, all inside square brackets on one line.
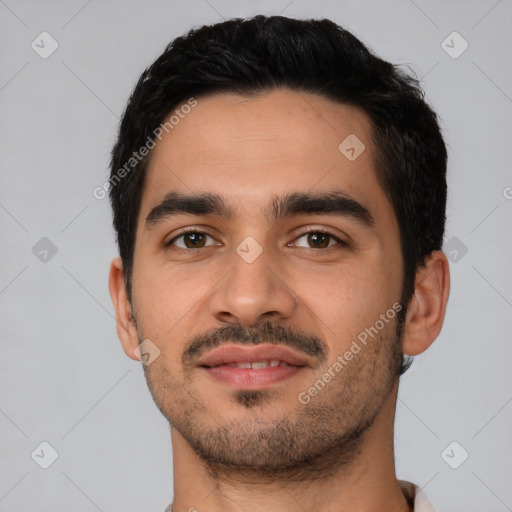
[(255, 367)]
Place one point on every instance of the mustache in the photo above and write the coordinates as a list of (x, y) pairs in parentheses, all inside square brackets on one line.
[(265, 332)]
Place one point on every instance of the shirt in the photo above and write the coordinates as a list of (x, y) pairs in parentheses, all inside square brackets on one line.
[(413, 494), (415, 497)]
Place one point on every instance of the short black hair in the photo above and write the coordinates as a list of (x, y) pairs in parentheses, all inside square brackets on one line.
[(255, 55)]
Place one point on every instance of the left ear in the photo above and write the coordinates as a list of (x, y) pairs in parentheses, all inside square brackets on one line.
[(427, 307)]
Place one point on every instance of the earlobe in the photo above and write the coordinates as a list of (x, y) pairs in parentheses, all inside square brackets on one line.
[(426, 310), (126, 327)]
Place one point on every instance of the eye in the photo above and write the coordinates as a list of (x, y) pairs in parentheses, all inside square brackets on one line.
[(194, 239), (320, 240), (190, 240)]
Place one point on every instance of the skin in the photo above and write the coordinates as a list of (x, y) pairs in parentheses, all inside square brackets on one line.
[(264, 450)]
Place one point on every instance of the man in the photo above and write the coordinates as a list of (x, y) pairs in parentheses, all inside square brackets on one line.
[(279, 201)]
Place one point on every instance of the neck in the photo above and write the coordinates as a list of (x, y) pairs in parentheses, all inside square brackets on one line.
[(362, 483)]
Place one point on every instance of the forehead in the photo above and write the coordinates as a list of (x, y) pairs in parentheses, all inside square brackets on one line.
[(252, 148)]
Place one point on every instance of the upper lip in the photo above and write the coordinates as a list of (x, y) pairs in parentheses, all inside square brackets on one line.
[(228, 354)]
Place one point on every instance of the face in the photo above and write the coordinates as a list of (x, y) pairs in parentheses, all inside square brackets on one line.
[(295, 257)]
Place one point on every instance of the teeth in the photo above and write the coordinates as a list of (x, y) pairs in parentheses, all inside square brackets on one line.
[(259, 364), (240, 365)]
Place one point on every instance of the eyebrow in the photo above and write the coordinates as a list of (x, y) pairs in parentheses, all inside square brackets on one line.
[(336, 203)]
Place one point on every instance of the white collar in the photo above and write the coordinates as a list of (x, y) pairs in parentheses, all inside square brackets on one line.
[(413, 492)]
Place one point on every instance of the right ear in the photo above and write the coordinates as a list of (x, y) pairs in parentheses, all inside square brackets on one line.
[(126, 327)]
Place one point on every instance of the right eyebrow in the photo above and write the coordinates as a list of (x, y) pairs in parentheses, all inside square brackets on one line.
[(175, 203)]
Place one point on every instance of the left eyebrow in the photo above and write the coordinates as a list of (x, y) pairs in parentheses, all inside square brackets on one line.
[(335, 203), (329, 203)]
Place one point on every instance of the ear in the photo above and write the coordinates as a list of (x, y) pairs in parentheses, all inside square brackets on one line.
[(126, 327), (427, 307)]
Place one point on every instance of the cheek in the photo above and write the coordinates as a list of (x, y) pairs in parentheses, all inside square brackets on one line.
[(346, 301), (167, 297)]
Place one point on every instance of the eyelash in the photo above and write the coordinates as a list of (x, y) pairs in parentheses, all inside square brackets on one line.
[(307, 232)]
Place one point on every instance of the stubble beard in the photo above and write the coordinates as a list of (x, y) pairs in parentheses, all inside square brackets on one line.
[(314, 441)]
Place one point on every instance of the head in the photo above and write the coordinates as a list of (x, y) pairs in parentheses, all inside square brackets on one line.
[(254, 118)]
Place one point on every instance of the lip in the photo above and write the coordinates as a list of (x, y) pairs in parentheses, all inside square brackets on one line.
[(252, 379), (229, 354), (217, 362)]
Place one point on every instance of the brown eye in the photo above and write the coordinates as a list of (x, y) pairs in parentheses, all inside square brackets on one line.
[(190, 240), (320, 240), (194, 240)]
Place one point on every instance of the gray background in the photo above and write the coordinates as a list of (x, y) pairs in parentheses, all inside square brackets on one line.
[(63, 376)]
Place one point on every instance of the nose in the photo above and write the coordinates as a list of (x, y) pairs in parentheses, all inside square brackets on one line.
[(253, 292)]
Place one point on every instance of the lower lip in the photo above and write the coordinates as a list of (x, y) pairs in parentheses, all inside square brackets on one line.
[(248, 378)]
